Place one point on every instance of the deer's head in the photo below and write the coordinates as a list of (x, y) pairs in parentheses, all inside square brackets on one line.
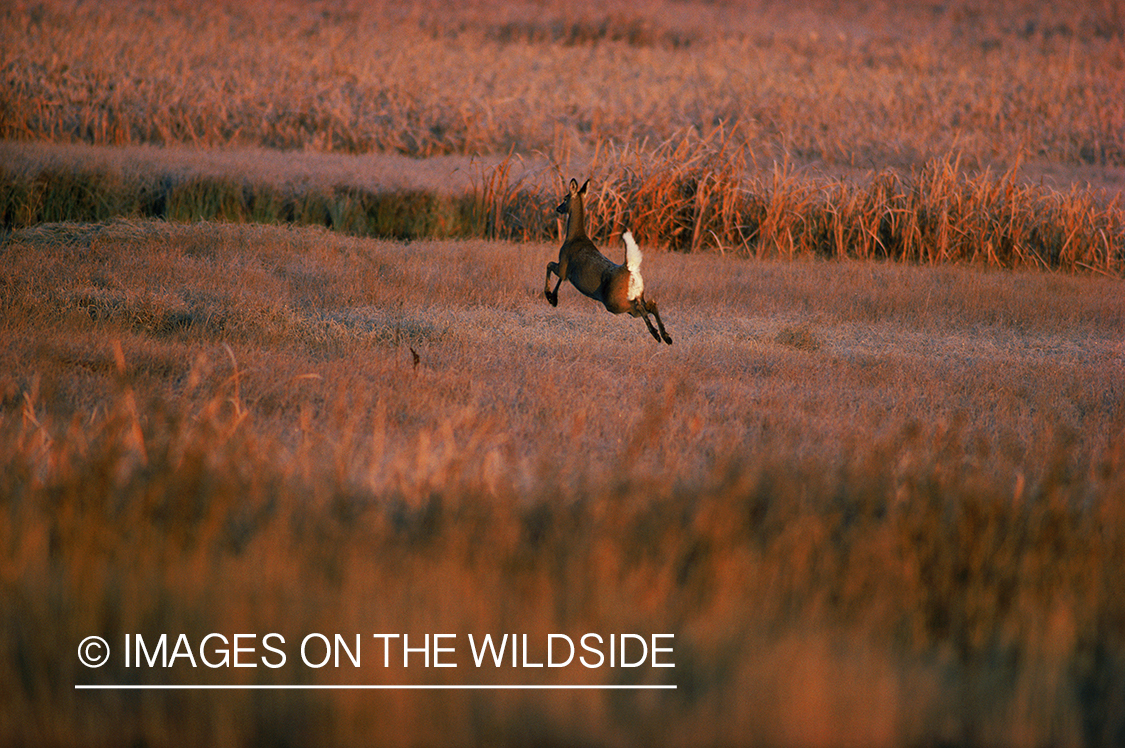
[(575, 193)]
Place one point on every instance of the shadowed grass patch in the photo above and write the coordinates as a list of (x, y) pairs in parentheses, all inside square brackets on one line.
[(802, 338), (63, 195)]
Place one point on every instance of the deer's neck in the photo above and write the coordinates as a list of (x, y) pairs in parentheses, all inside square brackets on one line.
[(575, 221)]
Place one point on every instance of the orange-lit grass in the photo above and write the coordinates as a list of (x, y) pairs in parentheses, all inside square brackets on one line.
[(875, 503), (687, 193)]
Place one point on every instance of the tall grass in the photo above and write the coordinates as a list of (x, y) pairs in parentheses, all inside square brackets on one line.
[(875, 504), (694, 195), (687, 194)]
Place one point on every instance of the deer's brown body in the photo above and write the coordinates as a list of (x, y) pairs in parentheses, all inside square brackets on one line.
[(618, 287)]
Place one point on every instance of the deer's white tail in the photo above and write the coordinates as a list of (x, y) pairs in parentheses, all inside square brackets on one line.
[(633, 263)]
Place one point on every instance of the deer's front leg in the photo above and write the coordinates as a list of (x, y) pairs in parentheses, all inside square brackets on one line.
[(552, 296)]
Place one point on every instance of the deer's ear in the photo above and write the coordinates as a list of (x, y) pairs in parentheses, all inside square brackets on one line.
[(574, 186), (584, 186)]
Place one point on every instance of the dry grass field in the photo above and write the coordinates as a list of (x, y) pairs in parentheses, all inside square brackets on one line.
[(875, 504), (275, 359), (868, 85)]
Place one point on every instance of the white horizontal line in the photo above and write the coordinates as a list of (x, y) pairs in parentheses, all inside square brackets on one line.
[(429, 687)]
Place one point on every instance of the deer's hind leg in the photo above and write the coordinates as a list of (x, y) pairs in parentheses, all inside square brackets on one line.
[(649, 307), (553, 296), (640, 311)]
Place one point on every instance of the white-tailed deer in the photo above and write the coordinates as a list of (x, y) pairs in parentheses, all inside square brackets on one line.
[(618, 287)]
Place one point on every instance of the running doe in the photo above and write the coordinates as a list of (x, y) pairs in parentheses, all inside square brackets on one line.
[(619, 287)]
